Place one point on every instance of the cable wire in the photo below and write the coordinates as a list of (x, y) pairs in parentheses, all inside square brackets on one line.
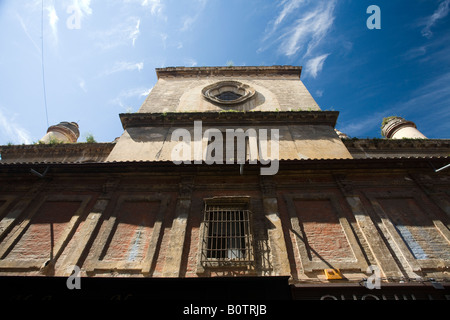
[(42, 62)]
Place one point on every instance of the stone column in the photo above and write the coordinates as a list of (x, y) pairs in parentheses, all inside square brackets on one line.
[(174, 251), (398, 128), (380, 252), (87, 233), (277, 243)]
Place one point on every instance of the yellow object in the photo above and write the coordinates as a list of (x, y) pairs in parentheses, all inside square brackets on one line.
[(333, 274)]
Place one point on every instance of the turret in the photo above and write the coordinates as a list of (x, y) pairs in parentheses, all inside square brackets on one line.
[(64, 132), (399, 128)]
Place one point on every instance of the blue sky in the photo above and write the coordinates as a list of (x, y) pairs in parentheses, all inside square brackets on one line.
[(105, 64)]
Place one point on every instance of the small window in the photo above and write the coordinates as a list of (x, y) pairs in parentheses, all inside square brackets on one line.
[(228, 96), (227, 236)]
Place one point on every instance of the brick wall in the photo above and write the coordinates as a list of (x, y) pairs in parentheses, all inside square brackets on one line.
[(324, 234), (44, 231), (127, 226)]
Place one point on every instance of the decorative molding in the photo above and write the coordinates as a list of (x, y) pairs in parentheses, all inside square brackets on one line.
[(424, 205), (242, 92), (48, 153), (359, 263), (19, 230), (190, 72), (95, 263), (251, 118)]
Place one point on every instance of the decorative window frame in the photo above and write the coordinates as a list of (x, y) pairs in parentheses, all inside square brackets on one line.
[(207, 263), (212, 92)]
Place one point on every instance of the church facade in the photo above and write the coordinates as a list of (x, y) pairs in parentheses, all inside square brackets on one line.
[(232, 173)]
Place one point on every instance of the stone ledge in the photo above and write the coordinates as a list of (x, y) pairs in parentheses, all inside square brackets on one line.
[(64, 152), (251, 118), (183, 72), (381, 144)]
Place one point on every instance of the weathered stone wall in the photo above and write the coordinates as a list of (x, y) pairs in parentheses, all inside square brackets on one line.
[(185, 95), (295, 142)]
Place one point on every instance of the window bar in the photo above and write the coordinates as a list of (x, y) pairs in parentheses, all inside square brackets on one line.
[(235, 247), (243, 234), (246, 234), (220, 226), (213, 233), (238, 235), (205, 241), (250, 238), (227, 236)]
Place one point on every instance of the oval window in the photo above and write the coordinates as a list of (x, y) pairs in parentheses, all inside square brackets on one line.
[(228, 92)]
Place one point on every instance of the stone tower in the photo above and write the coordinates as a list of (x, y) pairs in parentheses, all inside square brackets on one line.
[(229, 97)]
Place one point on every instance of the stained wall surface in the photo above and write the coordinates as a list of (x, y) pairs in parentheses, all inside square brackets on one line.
[(148, 223)]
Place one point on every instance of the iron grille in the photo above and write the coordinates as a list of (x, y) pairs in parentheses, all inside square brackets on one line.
[(227, 237)]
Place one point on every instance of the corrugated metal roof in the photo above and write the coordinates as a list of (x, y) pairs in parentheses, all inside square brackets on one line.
[(283, 160)]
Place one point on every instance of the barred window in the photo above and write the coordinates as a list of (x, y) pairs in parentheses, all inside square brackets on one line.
[(227, 236)]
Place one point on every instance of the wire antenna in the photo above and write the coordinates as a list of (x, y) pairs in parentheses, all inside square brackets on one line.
[(42, 62)]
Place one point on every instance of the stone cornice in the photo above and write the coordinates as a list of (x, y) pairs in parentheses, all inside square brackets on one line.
[(65, 152), (393, 144), (188, 72), (252, 118)]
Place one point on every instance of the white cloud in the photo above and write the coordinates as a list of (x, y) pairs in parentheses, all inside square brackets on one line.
[(83, 7), (190, 62), (146, 92), (164, 38), (315, 65), (120, 66), (120, 34), (25, 29), (133, 93), (135, 33), (415, 52), (310, 29), (155, 6), (359, 127), (288, 7), (188, 21), (304, 34), (12, 132), (53, 20), (82, 85), (441, 12)]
